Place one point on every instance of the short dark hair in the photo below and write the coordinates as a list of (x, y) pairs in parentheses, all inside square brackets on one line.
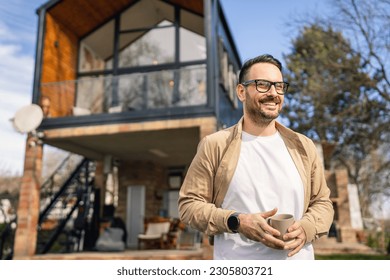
[(265, 58)]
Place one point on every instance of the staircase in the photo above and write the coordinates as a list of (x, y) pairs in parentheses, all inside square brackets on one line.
[(68, 220), (67, 213)]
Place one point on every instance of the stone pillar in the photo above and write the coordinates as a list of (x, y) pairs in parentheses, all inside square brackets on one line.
[(346, 232), (28, 208)]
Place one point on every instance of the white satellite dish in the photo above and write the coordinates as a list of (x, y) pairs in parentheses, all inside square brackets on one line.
[(27, 118)]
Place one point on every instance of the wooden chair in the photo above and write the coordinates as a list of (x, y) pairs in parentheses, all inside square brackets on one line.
[(155, 236)]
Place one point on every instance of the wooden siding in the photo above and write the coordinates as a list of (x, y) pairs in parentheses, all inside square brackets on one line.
[(59, 64), (82, 17), (193, 6)]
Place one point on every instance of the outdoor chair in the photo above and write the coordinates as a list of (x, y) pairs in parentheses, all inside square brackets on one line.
[(155, 236)]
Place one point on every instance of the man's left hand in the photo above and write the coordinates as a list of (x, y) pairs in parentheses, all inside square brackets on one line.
[(298, 235)]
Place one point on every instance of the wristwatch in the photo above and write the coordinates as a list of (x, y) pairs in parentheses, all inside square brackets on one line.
[(233, 222)]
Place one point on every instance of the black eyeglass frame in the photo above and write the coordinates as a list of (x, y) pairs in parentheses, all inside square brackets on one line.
[(285, 85)]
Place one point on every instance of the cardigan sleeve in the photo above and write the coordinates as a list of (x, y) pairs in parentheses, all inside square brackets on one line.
[(196, 207), (318, 217)]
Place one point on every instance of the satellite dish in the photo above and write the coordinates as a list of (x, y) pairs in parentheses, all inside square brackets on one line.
[(27, 118)]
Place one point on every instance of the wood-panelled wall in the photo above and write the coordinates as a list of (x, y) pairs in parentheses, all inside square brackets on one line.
[(59, 67)]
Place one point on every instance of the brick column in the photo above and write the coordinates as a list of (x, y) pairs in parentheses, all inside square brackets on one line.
[(28, 208)]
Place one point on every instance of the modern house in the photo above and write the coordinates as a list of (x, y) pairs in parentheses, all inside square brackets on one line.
[(130, 87)]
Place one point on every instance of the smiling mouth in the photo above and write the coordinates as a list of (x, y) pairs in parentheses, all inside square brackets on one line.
[(270, 102)]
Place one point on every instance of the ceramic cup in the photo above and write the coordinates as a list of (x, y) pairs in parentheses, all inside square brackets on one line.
[(281, 222)]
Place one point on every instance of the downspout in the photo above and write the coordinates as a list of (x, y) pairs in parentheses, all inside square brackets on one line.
[(215, 55), (211, 90), (39, 54)]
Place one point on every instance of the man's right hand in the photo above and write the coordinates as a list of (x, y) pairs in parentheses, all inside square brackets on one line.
[(256, 228)]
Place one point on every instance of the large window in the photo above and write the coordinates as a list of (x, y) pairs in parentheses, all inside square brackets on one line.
[(154, 47), (97, 50), (127, 74), (192, 40), (147, 34), (146, 14)]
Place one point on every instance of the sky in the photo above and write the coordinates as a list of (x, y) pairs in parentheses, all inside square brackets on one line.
[(257, 26)]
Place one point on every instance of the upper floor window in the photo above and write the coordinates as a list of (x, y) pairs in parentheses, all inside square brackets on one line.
[(147, 34), (97, 50), (156, 46), (146, 37), (192, 40)]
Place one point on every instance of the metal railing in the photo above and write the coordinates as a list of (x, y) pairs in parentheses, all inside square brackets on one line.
[(129, 92), (68, 212)]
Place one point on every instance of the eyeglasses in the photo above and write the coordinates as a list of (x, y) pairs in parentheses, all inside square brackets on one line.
[(264, 86)]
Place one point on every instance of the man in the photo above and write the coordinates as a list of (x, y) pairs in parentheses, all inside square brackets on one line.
[(247, 173)]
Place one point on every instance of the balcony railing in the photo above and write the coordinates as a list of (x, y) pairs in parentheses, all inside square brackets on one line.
[(131, 92)]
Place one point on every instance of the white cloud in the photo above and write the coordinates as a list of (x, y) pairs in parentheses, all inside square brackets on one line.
[(12, 143), (17, 46), (12, 152), (16, 70)]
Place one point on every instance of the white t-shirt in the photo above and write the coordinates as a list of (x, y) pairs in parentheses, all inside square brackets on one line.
[(265, 177)]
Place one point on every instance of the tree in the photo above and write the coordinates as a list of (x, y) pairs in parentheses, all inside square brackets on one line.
[(367, 23), (9, 191), (333, 98)]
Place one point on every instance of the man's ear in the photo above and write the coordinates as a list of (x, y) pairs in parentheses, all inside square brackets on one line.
[(240, 91)]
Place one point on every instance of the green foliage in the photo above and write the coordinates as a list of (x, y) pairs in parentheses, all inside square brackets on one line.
[(327, 85), (372, 241), (333, 98), (352, 257)]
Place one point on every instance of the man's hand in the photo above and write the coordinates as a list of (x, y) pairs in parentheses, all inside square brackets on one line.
[(256, 228), (298, 235)]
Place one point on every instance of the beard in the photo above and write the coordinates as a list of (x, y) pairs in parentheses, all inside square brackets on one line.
[(256, 113)]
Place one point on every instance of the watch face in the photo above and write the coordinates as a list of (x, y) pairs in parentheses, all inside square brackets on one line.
[(233, 223)]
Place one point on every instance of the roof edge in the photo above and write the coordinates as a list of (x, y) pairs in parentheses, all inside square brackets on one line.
[(47, 5)]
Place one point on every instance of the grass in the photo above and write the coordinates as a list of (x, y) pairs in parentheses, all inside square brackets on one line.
[(352, 257)]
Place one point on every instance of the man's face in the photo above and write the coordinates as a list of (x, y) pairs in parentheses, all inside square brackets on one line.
[(45, 105), (262, 107)]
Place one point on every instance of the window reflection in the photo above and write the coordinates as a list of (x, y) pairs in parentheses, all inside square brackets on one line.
[(151, 48), (146, 14), (147, 37), (95, 56), (192, 40)]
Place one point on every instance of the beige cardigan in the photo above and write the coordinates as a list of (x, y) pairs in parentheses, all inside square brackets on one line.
[(212, 169)]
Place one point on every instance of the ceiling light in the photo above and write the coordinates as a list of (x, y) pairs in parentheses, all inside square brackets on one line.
[(158, 153)]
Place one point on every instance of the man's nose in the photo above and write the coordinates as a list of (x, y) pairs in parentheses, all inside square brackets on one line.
[(272, 91)]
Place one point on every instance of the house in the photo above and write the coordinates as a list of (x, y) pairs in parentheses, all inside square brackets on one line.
[(130, 86)]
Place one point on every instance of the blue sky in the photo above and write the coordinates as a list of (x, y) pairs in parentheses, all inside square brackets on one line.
[(258, 26)]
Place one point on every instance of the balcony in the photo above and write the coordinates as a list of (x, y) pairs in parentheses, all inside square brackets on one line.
[(108, 98)]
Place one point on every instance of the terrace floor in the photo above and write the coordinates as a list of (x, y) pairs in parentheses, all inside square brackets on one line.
[(205, 252), (202, 253)]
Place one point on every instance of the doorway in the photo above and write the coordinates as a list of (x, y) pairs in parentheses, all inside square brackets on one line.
[(135, 214)]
